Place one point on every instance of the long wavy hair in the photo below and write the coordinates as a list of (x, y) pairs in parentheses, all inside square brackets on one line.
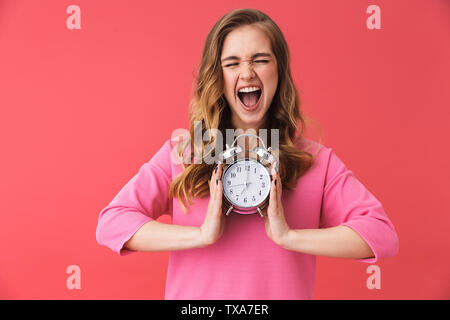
[(209, 108)]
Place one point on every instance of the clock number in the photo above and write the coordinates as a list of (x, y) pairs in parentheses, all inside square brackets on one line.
[(253, 198), (260, 177), (231, 190), (233, 174), (245, 200), (259, 192), (239, 169), (263, 184)]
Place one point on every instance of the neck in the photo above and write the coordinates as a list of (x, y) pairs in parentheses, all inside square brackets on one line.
[(250, 142), (245, 127)]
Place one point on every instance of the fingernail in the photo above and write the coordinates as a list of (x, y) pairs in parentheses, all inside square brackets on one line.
[(217, 181)]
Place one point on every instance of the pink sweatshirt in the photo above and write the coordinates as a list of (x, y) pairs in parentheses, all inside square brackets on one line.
[(244, 263)]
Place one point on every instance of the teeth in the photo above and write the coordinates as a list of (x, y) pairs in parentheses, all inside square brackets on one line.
[(249, 89)]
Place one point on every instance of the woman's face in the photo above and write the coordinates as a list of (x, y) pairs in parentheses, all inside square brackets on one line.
[(248, 62)]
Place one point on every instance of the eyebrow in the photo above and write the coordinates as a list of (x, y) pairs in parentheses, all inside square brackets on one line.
[(256, 55)]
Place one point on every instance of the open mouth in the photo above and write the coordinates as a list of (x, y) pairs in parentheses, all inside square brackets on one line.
[(250, 99)]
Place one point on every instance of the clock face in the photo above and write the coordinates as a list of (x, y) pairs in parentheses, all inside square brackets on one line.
[(246, 183)]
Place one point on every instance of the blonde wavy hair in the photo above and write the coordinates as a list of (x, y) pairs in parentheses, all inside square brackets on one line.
[(209, 108)]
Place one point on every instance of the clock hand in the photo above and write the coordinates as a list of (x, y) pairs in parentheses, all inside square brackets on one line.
[(246, 181), (241, 184), (235, 185), (246, 187), (247, 176)]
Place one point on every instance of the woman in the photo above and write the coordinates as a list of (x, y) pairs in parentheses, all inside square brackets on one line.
[(316, 206)]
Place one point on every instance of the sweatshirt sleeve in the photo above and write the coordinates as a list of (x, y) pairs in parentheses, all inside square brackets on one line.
[(347, 202), (142, 199)]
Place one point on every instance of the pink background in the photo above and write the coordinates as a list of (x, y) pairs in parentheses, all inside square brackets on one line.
[(82, 110)]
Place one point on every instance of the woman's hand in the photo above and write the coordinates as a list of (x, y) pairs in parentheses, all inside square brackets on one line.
[(275, 222), (213, 225)]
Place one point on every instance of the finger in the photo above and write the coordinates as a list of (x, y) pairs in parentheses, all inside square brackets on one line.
[(217, 176), (219, 192), (216, 172), (211, 183), (273, 195), (214, 175), (277, 180), (273, 169), (219, 170), (217, 197)]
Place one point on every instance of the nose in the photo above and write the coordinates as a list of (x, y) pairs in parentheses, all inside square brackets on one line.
[(247, 71)]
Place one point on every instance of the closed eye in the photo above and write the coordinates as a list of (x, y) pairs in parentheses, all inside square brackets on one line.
[(257, 61)]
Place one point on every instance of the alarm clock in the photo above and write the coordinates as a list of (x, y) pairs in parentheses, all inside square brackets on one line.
[(246, 180)]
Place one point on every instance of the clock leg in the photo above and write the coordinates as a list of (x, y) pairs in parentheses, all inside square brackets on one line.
[(229, 210), (260, 213)]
